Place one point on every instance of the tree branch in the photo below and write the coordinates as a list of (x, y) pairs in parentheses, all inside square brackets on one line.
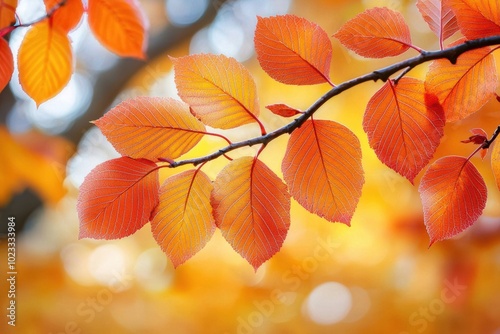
[(383, 74)]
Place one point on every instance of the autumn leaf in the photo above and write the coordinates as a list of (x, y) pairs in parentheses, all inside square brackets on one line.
[(439, 17), (376, 33), (495, 162), (7, 12), (66, 16), (119, 25), (6, 63), (117, 198), (182, 222), (151, 128), (252, 209), (220, 91), (283, 110), (479, 136), (453, 195), (293, 50), (404, 126), (322, 167), (45, 61), (463, 88), (476, 18)]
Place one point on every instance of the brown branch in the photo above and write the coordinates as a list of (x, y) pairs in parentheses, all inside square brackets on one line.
[(383, 74)]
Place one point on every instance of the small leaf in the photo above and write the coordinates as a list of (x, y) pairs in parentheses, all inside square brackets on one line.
[(182, 222), (117, 198), (220, 91), (151, 128), (404, 126), (479, 136), (68, 15), (6, 63), (322, 167), (45, 61), (7, 13), (453, 195), (463, 88), (476, 18), (495, 162), (439, 17), (119, 25), (252, 209), (376, 33), (293, 50), (283, 110)]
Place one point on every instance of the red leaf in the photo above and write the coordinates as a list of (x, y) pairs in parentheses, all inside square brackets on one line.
[(6, 63), (479, 137), (182, 223), (439, 17), (293, 50), (495, 162), (68, 15), (453, 195), (463, 88), (117, 197), (119, 25), (220, 91), (376, 33), (322, 167), (283, 110), (151, 128), (252, 209), (476, 18), (404, 126)]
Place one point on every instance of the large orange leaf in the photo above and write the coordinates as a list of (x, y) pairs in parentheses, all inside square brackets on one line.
[(67, 16), (119, 25), (7, 12), (45, 61), (117, 198), (376, 33), (476, 18), (220, 91), (151, 128), (182, 222), (293, 50), (6, 63), (322, 167), (495, 162), (252, 208), (463, 88), (404, 126), (439, 17), (453, 195)]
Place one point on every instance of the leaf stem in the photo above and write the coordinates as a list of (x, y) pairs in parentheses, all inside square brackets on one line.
[(383, 74)]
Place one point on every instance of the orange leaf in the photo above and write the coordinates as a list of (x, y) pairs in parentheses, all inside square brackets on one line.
[(283, 110), (495, 162), (252, 209), (293, 50), (182, 223), (6, 63), (376, 33), (465, 87), (439, 17), (68, 15), (476, 18), (404, 126), (453, 195), (45, 61), (322, 167), (220, 91), (7, 12), (119, 25), (117, 198), (151, 128)]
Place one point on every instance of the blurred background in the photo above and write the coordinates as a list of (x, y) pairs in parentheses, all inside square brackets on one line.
[(378, 276)]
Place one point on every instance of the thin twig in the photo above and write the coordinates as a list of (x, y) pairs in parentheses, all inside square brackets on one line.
[(383, 74)]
